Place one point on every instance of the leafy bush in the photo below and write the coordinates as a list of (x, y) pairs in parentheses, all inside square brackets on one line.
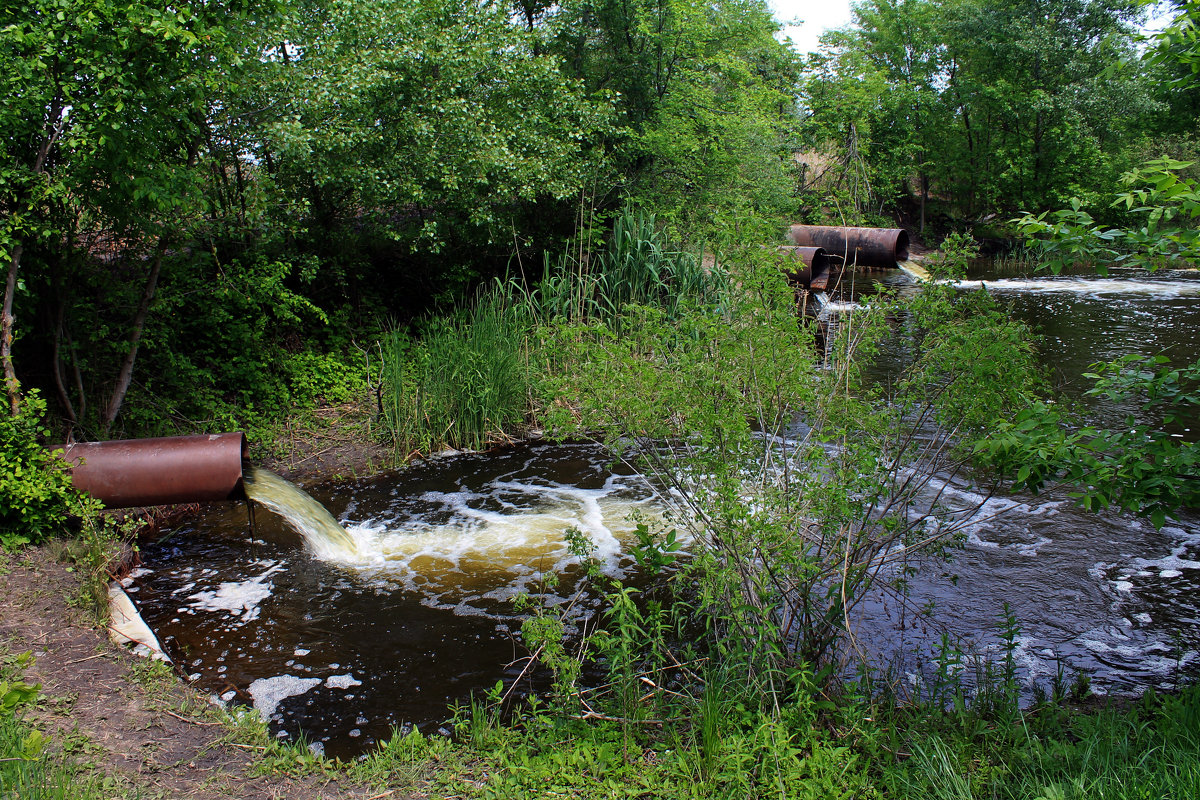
[(1160, 207), (36, 495), (1139, 467)]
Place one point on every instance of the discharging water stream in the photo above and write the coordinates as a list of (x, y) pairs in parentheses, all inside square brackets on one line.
[(412, 610)]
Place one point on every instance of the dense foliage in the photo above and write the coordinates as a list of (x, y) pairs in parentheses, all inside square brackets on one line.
[(203, 207), (212, 214), (975, 107), (35, 489)]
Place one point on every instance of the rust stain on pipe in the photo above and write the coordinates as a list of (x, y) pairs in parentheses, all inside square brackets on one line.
[(811, 267), (865, 247), (152, 472)]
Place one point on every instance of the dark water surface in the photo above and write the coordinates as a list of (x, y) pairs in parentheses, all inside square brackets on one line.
[(347, 648), (417, 617)]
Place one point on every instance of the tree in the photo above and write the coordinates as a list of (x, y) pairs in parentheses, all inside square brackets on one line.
[(705, 96), (102, 131), (1002, 104)]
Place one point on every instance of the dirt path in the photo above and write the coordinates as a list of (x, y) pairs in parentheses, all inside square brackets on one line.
[(147, 732)]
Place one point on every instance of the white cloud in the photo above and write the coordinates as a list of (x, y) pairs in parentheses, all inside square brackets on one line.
[(815, 17)]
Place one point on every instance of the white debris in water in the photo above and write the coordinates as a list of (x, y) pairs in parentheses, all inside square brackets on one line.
[(1143, 618), (342, 681), (300, 651), (1123, 586), (317, 749), (355, 732), (1170, 573), (240, 598), (268, 693), (228, 696)]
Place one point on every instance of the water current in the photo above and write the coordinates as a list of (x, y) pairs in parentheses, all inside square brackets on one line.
[(412, 611)]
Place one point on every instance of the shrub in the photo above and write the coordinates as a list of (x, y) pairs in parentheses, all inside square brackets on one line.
[(36, 496)]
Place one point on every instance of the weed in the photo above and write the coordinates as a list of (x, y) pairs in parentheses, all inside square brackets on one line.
[(29, 768), (465, 383)]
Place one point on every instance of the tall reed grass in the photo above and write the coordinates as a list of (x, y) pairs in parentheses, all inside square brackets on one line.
[(469, 379), (640, 266), (465, 382)]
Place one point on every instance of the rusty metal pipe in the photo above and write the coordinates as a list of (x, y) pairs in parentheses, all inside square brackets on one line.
[(154, 472), (810, 267), (865, 247)]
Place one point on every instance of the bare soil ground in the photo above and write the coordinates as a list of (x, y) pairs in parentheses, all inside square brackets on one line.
[(326, 444)]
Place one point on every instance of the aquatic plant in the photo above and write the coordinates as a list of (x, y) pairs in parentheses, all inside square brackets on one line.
[(465, 382), (639, 266)]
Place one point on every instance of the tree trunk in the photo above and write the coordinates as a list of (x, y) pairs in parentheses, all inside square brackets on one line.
[(56, 123), (6, 333), (924, 198), (135, 338), (60, 385)]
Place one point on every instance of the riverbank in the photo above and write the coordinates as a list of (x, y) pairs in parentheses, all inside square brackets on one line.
[(135, 730), (130, 725)]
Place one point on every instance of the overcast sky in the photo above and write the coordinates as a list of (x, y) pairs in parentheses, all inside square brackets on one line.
[(817, 16)]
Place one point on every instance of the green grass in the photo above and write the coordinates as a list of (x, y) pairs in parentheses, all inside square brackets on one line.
[(465, 383), (717, 740), (30, 767), (1148, 750), (639, 266)]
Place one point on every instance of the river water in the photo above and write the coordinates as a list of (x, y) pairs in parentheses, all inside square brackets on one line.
[(346, 649)]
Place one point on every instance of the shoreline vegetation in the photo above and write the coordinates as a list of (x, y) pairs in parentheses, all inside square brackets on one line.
[(104, 723), (735, 715), (362, 232)]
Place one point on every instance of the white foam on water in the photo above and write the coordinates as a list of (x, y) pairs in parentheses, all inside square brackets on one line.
[(342, 681), (838, 307), (1093, 287), (268, 693), (974, 513), (240, 599), (473, 551)]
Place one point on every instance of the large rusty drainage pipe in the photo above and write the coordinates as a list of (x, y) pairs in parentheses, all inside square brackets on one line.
[(865, 247), (154, 472), (810, 267)]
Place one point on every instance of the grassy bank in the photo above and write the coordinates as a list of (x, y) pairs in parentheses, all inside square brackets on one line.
[(723, 744), (29, 768)]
